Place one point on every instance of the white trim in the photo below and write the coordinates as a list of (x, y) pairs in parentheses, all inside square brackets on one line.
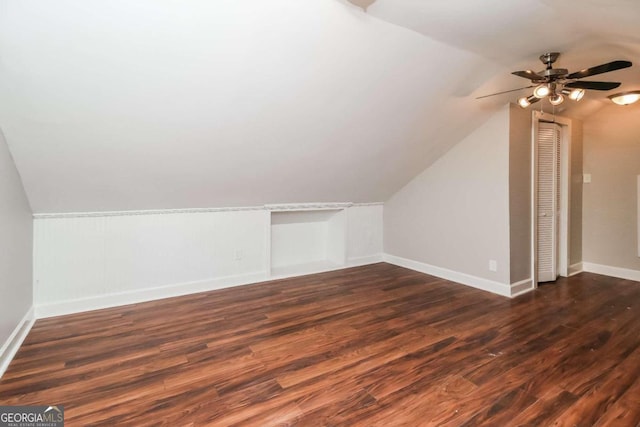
[(535, 121), (143, 212), (304, 269), (565, 226), (132, 297), (462, 278), (15, 340), (273, 207), (575, 269), (307, 206), (607, 270), (522, 287), (564, 219), (267, 243), (355, 205), (364, 260)]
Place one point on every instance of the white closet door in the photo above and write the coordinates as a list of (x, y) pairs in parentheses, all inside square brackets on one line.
[(548, 160)]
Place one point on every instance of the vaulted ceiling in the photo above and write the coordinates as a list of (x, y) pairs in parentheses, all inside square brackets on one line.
[(117, 105), (514, 34)]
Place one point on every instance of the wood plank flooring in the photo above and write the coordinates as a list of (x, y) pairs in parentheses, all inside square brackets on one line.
[(370, 346)]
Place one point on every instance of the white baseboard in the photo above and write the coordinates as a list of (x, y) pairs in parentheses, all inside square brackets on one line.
[(575, 269), (278, 273), (321, 267), (13, 343), (98, 302), (463, 278), (132, 297), (521, 287), (364, 260), (607, 270)]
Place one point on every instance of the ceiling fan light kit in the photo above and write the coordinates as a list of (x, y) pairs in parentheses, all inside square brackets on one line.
[(556, 99), (556, 83), (573, 94), (542, 91), (524, 102), (625, 98)]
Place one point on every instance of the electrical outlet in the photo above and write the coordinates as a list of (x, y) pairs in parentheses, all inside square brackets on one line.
[(238, 254), (493, 265)]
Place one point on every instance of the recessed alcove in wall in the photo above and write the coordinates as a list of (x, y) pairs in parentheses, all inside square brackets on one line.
[(307, 241)]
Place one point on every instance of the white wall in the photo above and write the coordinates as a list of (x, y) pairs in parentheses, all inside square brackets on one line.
[(520, 122), (90, 258), (364, 233), (577, 162), (455, 214), (610, 217), (100, 260), (299, 237), (15, 257)]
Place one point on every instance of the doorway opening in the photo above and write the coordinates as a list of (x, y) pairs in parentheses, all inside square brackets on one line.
[(551, 169)]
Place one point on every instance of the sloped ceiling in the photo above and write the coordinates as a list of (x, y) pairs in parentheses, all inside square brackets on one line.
[(513, 34), (118, 105)]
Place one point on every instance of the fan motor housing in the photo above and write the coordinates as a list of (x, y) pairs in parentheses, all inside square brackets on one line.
[(549, 58), (554, 72)]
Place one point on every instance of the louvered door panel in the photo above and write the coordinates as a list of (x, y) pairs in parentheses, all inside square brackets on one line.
[(548, 161)]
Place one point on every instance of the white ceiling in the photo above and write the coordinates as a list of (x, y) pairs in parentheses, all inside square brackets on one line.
[(514, 34), (116, 105)]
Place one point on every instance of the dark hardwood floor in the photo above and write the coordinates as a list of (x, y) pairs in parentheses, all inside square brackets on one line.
[(370, 346)]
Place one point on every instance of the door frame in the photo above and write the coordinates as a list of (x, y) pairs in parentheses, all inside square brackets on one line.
[(564, 225)]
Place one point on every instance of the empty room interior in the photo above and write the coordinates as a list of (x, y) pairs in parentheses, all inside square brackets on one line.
[(320, 212)]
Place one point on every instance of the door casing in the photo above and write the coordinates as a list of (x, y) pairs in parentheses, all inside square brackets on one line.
[(564, 225)]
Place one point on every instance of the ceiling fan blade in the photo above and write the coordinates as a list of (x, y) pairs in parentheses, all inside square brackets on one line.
[(593, 85), (505, 91), (604, 68), (528, 74)]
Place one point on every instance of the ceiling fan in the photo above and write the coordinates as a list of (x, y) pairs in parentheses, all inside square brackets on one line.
[(555, 83)]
